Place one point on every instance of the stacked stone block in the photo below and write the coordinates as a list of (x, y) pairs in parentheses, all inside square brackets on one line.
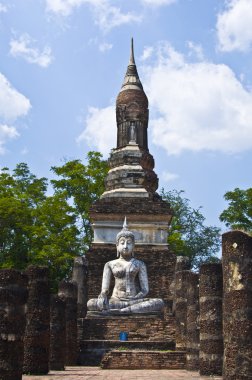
[(181, 284), (13, 296), (68, 293), (182, 263), (143, 359), (37, 334), (237, 305), (211, 339), (57, 333), (79, 276), (192, 343)]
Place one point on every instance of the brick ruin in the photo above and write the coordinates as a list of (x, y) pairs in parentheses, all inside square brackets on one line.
[(37, 333), (200, 313), (210, 303), (237, 305), (57, 333), (192, 322), (13, 297), (68, 293)]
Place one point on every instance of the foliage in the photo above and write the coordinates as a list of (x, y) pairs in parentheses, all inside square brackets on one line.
[(238, 215), (188, 235), (82, 185), (48, 230)]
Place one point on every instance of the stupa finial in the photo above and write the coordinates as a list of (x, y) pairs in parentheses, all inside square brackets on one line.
[(131, 79), (132, 58)]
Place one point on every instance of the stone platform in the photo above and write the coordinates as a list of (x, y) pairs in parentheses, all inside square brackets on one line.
[(92, 352), (139, 359), (99, 337), (139, 327)]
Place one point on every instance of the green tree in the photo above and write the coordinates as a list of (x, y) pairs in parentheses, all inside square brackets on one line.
[(238, 215), (48, 230), (188, 236), (35, 228), (82, 185), (20, 193)]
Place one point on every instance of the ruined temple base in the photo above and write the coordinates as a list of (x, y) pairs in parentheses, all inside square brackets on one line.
[(144, 359), (150, 344)]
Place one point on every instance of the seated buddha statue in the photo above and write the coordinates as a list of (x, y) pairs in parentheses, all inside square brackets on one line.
[(131, 282)]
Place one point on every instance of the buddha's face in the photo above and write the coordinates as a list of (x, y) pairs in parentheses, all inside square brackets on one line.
[(125, 247)]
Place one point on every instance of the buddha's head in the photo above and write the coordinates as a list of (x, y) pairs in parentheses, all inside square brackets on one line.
[(125, 242)]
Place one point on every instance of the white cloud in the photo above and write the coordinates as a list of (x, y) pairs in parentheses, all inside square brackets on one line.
[(3, 8), (106, 15), (197, 106), (147, 53), (158, 3), (100, 129), (12, 103), (168, 177), (195, 49), (105, 47), (234, 26), (6, 133), (12, 106), (22, 47)]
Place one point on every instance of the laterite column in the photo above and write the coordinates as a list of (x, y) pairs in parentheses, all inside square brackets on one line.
[(37, 334), (68, 292), (181, 308), (13, 296), (211, 339), (237, 305), (79, 276), (192, 324), (57, 333), (182, 263)]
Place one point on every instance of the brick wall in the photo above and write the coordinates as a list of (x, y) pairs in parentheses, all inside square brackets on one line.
[(150, 327), (143, 359)]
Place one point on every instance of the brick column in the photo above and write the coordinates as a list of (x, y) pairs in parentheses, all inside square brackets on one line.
[(68, 292), (237, 305), (211, 339), (57, 333), (13, 296), (182, 263), (37, 334), (79, 276), (181, 284), (192, 343)]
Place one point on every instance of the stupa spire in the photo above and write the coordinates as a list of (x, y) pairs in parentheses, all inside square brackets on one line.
[(132, 58), (131, 79)]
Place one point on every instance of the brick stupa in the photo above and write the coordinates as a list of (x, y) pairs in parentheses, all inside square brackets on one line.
[(130, 191), (131, 186)]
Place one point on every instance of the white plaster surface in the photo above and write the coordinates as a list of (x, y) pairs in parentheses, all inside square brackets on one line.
[(145, 233)]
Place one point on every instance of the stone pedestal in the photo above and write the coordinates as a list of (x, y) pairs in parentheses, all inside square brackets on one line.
[(148, 333)]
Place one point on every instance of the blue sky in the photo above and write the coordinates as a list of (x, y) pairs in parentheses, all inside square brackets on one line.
[(62, 63)]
